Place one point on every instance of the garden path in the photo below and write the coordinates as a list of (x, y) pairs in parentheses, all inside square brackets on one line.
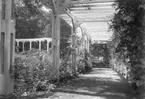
[(101, 83)]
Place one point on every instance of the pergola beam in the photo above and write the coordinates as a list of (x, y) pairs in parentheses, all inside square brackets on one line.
[(91, 5), (93, 11), (94, 14), (92, 20), (99, 30), (72, 2), (88, 21)]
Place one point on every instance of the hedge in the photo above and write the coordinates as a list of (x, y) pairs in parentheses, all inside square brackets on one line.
[(127, 48)]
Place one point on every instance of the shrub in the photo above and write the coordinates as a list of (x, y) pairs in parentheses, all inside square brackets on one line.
[(66, 71), (84, 64), (32, 73), (127, 45)]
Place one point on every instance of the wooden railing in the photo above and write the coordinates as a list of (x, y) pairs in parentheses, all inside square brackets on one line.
[(30, 41)]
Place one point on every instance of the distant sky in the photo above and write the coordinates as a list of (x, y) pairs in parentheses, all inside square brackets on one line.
[(98, 30)]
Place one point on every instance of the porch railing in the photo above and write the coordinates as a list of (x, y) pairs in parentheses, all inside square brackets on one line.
[(30, 41)]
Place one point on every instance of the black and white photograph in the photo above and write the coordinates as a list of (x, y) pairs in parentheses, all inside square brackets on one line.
[(72, 49)]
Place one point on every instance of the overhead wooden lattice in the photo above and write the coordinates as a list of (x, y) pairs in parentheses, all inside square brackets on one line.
[(92, 14)]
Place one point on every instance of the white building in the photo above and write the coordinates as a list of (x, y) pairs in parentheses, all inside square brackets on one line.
[(7, 37)]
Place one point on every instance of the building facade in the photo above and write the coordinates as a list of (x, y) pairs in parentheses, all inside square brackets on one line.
[(7, 39)]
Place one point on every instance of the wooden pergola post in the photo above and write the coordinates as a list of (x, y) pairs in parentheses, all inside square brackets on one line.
[(18, 46), (74, 47), (88, 44), (56, 42), (23, 46), (30, 45), (47, 45), (40, 45), (73, 34)]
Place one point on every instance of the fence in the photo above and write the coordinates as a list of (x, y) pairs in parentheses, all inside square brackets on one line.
[(21, 44)]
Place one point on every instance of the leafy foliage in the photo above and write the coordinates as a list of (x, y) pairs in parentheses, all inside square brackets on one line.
[(126, 48), (32, 72), (100, 50), (65, 36), (31, 20)]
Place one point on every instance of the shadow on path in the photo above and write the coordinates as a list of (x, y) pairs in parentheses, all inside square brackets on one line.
[(101, 83)]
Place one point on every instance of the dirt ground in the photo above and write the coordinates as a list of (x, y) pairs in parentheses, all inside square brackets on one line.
[(101, 83)]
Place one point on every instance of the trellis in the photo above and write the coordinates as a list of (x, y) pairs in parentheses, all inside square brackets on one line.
[(60, 9)]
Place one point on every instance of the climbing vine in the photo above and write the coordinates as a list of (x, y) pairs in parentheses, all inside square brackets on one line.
[(127, 45)]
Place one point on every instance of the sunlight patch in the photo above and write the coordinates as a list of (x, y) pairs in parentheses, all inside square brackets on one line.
[(104, 77), (116, 94)]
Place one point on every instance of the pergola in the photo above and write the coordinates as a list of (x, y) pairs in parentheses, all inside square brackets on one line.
[(93, 15), (90, 16)]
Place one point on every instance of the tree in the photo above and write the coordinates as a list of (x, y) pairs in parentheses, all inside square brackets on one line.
[(31, 20)]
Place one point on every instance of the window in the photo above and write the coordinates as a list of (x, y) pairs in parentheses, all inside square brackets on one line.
[(11, 49), (11, 53), (3, 9), (12, 15), (2, 53)]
